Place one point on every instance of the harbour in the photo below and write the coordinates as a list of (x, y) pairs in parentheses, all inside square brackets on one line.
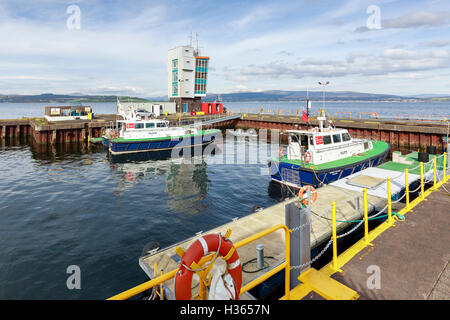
[(334, 219), (277, 154), (81, 136), (408, 134)]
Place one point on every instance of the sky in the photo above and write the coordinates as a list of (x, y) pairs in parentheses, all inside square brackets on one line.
[(120, 47)]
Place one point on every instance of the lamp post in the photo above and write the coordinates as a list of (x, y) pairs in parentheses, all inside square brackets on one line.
[(323, 84)]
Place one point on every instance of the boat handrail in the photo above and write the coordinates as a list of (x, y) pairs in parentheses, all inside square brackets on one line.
[(345, 143), (253, 283)]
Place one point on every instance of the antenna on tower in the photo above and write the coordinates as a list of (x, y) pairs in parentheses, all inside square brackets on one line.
[(196, 40), (190, 39)]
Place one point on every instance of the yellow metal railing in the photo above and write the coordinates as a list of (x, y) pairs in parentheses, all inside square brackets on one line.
[(389, 201), (371, 114), (335, 264), (349, 115), (167, 276)]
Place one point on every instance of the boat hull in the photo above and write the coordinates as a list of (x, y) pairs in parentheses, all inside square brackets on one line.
[(121, 146), (296, 176)]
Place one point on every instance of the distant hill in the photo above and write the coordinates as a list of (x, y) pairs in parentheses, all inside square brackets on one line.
[(279, 95), (271, 95), (61, 98), (428, 95)]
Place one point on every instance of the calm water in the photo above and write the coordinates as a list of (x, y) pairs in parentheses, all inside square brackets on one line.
[(387, 109), (69, 206)]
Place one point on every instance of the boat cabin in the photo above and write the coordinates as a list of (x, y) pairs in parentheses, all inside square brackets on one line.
[(150, 128), (317, 147)]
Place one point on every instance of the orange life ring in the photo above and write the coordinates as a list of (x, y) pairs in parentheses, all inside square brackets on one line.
[(115, 135), (200, 248), (281, 152), (313, 192), (308, 157)]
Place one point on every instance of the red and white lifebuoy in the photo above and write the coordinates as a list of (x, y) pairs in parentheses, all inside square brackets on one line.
[(308, 157), (201, 247), (281, 152), (313, 193)]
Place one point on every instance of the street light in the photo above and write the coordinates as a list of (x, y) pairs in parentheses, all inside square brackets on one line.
[(324, 84)]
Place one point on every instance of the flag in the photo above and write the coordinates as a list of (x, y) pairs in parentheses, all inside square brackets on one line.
[(305, 117)]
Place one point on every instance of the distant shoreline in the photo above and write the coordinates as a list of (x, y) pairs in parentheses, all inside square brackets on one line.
[(274, 96), (237, 101)]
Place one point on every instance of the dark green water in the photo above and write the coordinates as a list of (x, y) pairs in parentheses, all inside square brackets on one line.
[(72, 206)]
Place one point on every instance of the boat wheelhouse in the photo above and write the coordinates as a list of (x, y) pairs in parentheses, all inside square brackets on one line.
[(319, 155)]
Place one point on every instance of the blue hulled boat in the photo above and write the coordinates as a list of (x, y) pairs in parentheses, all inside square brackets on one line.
[(318, 156), (142, 132)]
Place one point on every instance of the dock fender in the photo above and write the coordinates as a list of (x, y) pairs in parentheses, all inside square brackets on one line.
[(199, 248), (149, 247)]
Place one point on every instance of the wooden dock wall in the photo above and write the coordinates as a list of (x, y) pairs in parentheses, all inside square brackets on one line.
[(407, 134), (56, 132), (399, 133)]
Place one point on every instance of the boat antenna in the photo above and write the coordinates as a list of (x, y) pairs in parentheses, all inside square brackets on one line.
[(323, 84), (308, 106)]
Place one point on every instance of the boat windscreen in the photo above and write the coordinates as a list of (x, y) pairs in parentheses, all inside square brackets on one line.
[(345, 137), (304, 141)]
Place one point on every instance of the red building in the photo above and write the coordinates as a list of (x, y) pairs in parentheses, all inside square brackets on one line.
[(212, 107)]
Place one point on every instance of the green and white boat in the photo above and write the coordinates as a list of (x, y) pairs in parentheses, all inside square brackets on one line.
[(320, 155), (142, 132)]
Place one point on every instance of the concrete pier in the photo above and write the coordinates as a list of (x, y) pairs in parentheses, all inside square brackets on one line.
[(412, 258), (274, 244)]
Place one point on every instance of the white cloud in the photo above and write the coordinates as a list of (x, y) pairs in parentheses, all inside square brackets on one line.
[(387, 62), (418, 19), (435, 43), (413, 20)]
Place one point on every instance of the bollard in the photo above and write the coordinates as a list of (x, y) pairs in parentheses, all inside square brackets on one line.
[(260, 256), (300, 243)]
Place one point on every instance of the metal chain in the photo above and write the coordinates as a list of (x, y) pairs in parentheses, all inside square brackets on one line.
[(445, 188), (300, 266), (287, 186), (300, 226)]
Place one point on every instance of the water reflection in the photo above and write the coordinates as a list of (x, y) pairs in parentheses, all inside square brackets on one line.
[(185, 178), (57, 152), (187, 185)]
